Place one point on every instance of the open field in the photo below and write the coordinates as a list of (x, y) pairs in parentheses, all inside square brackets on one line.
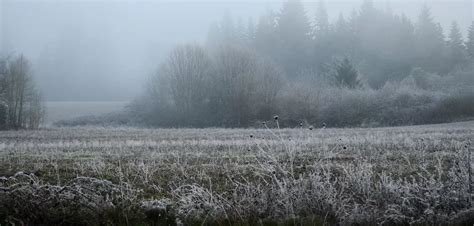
[(64, 110), (400, 175)]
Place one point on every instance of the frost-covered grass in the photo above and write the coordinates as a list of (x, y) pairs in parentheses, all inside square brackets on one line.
[(400, 175)]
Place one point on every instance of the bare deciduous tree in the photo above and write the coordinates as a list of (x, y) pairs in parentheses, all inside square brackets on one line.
[(271, 79), (183, 83), (236, 85), (24, 108)]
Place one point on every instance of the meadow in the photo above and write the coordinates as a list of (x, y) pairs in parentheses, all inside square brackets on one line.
[(417, 175), (67, 110)]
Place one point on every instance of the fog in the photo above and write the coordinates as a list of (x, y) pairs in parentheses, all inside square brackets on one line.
[(104, 50)]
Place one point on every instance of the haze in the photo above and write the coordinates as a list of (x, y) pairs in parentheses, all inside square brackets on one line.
[(104, 50)]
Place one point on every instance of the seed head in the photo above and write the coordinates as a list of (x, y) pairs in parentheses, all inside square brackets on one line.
[(275, 117)]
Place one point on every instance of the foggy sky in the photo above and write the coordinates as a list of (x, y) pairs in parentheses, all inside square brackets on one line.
[(104, 50)]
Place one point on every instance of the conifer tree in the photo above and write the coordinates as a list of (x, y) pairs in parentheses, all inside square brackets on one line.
[(470, 41), (265, 35), (456, 46), (293, 24), (430, 42), (3, 114), (250, 31), (294, 35), (346, 75), (322, 20)]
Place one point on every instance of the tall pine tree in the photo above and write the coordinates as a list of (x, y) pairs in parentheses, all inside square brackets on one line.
[(266, 36), (223, 33), (321, 25), (457, 49), (470, 41), (228, 29), (342, 37), (295, 38), (430, 43), (293, 24), (346, 75), (250, 31), (323, 43)]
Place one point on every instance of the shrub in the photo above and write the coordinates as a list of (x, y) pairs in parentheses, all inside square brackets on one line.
[(3, 115)]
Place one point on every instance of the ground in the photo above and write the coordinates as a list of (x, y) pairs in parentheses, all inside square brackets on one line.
[(397, 175), (66, 110)]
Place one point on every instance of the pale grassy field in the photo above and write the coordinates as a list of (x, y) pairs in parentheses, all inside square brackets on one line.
[(401, 175), (64, 110)]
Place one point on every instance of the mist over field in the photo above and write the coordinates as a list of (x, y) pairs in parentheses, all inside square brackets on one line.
[(236, 112)]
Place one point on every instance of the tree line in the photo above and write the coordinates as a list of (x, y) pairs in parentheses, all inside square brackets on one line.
[(385, 46), (21, 106), (372, 68)]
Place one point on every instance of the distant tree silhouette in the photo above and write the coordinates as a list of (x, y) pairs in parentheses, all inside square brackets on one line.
[(457, 48), (227, 32), (3, 114), (293, 30), (346, 75), (470, 41), (321, 23), (266, 40), (430, 42), (250, 32)]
